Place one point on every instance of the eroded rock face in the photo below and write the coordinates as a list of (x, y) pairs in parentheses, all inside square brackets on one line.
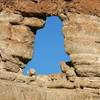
[(80, 79), (82, 42), (16, 40)]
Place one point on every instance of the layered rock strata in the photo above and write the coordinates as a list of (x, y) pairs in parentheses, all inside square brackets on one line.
[(80, 79)]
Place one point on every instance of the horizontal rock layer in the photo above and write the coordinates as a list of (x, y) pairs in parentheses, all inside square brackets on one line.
[(51, 6)]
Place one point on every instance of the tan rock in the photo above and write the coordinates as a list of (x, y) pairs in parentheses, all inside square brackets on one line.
[(82, 42), (2, 65), (68, 70), (58, 76), (4, 75), (85, 59), (24, 79), (88, 70), (86, 82), (11, 67), (5, 30), (52, 7), (16, 48), (78, 32), (33, 22), (61, 84), (64, 67), (22, 34), (17, 91), (7, 57), (10, 17)]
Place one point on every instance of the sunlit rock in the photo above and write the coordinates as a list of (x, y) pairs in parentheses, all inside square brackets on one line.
[(33, 22), (10, 17)]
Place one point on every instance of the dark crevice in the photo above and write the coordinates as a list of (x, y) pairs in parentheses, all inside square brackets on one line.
[(68, 0), (35, 1), (24, 60), (70, 64), (97, 42), (14, 23), (37, 15), (34, 29), (82, 87)]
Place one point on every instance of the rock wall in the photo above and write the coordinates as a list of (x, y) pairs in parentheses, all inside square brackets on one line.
[(80, 79)]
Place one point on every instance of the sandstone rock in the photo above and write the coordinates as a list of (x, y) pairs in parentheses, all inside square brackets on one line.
[(30, 6), (68, 70), (16, 49), (71, 72), (42, 78), (26, 35), (17, 91), (7, 57), (61, 84), (10, 17), (24, 79), (64, 67), (52, 7), (33, 22), (88, 70), (11, 67), (5, 30), (82, 42), (84, 6), (4, 75), (59, 76), (86, 82), (85, 59)]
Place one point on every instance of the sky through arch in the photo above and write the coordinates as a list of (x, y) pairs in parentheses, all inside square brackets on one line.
[(48, 48)]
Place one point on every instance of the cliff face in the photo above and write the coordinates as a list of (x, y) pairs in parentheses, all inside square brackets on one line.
[(19, 20)]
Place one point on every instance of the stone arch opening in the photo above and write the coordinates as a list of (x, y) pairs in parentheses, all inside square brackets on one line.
[(48, 48)]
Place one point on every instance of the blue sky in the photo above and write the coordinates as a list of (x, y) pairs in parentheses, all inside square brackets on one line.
[(48, 48)]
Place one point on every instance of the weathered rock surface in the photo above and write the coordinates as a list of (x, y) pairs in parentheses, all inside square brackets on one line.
[(33, 92), (82, 43), (19, 20), (68, 70), (52, 6)]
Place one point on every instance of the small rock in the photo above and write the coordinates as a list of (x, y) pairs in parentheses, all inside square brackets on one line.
[(42, 78), (32, 72), (69, 71), (59, 76), (64, 67), (26, 35)]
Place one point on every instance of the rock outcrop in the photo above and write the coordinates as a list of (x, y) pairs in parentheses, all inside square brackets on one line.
[(80, 79)]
